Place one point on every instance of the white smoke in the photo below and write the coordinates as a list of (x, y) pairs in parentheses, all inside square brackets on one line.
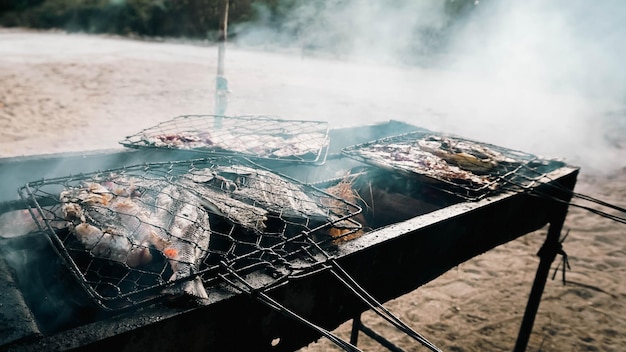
[(372, 30), (542, 76), (555, 74)]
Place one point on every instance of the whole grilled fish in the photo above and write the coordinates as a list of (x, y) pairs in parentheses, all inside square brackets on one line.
[(275, 193), (261, 188), (188, 231), (219, 200), (248, 195), (109, 226), (123, 218)]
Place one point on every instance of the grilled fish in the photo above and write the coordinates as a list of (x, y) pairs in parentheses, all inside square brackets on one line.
[(249, 195), (216, 196), (109, 226), (122, 219), (188, 230), (274, 193), (467, 155), (265, 189)]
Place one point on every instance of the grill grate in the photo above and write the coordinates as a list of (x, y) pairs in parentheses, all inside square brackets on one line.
[(256, 137), (137, 234), (467, 169)]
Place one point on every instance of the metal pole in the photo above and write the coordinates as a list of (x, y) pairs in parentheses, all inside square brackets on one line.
[(221, 84), (548, 252), (356, 326)]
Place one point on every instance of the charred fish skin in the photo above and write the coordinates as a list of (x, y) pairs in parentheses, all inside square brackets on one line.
[(270, 191), (287, 198), (258, 194), (91, 217), (213, 192), (121, 219), (188, 231)]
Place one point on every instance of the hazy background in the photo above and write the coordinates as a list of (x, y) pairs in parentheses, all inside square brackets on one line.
[(546, 76), (541, 76)]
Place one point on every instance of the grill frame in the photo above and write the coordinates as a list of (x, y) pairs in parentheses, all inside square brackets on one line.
[(237, 129), (305, 253), (506, 174), (373, 260)]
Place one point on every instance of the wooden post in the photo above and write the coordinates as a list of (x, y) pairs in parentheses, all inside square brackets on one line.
[(221, 84)]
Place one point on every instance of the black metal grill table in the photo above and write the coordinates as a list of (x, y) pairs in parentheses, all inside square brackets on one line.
[(434, 232)]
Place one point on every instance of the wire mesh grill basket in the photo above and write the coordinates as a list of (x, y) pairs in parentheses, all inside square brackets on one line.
[(137, 234), (468, 169), (256, 137)]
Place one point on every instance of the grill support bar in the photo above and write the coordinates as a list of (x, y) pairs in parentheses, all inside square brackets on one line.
[(547, 253), (357, 325)]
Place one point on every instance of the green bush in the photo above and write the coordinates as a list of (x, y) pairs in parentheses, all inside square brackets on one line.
[(190, 18), (171, 18)]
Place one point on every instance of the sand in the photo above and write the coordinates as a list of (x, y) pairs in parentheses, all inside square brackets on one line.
[(62, 92)]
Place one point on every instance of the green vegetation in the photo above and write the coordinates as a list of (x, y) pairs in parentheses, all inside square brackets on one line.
[(167, 18), (173, 18)]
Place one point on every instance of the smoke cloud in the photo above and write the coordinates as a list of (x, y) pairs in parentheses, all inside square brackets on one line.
[(543, 77)]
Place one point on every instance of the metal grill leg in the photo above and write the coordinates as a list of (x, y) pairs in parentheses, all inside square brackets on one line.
[(547, 253), (357, 326)]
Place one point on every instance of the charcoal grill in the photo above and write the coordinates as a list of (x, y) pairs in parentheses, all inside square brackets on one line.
[(258, 137), (289, 243), (435, 232)]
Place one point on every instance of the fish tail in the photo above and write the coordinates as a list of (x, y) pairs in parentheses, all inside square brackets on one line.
[(193, 288)]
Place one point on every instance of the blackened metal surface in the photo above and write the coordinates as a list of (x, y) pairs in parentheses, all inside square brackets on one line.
[(16, 321), (45, 285), (550, 249), (387, 262)]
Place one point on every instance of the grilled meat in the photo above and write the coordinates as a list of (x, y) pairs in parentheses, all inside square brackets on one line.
[(264, 145)]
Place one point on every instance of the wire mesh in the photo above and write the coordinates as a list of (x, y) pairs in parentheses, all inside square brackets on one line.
[(467, 169), (146, 232), (257, 137)]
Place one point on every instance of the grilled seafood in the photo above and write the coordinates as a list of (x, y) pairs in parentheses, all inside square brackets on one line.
[(262, 190), (188, 233), (263, 145), (272, 192), (466, 155), (344, 190), (213, 198), (109, 226), (407, 156), (123, 218)]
